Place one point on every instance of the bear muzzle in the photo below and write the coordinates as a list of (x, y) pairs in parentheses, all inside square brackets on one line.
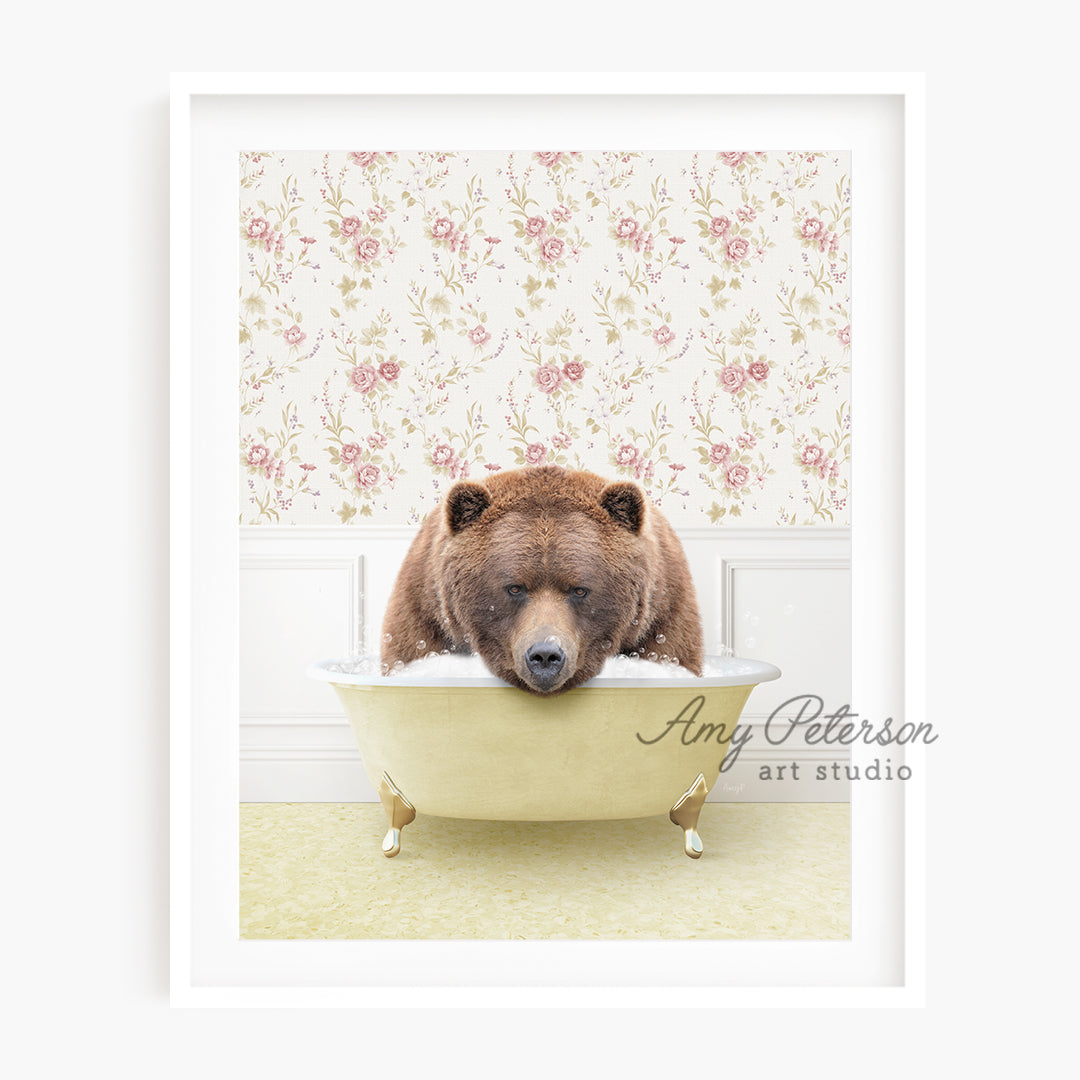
[(544, 659)]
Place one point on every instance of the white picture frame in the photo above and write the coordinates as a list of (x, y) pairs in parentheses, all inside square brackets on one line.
[(880, 118)]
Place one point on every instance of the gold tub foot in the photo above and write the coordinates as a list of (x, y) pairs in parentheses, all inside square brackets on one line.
[(685, 814), (399, 812)]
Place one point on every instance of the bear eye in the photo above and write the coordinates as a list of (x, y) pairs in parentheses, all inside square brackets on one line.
[(580, 592), (516, 590)]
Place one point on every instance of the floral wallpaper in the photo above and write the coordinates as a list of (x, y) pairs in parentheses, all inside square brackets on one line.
[(410, 318)]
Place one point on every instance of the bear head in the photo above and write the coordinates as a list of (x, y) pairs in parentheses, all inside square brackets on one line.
[(544, 573)]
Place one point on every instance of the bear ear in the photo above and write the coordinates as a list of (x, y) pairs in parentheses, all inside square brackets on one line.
[(465, 503), (625, 503)]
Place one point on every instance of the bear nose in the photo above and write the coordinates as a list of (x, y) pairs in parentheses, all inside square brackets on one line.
[(545, 659)]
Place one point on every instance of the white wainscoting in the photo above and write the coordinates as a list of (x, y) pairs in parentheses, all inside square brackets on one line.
[(306, 594)]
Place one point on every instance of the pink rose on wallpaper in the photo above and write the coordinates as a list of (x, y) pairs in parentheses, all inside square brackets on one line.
[(627, 455), (274, 241), (441, 228), (365, 158), (812, 456), (663, 335), (389, 370), (443, 455), (734, 158), (350, 452), (561, 213), (746, 440), (479, 336), (574, 370), (294, 335), (812, 228), (536, 453), (460, 469), (549, 378), (258, 456), (376, 440), (363, 378), (367, 249), (551, 249), (535, 226), (350, 226), (549, 158), (737, 476), (627, 228), (759, 370), (367, 476), (376, 213), (719, 453), (719, 227), (258, 227), (844, 336), (746, 213), (561, 439), (733, 378), (738, 249), (459, 242)]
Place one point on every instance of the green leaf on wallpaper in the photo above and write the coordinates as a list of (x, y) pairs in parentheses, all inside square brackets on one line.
[(346, 513), (335, 313)]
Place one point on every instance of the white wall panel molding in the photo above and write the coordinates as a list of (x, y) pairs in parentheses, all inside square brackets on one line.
[(313, 592)]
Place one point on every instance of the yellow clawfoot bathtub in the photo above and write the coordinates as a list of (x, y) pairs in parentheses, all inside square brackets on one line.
[(470, 747)]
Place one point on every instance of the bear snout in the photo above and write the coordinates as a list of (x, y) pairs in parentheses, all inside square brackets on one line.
[(545, 659)]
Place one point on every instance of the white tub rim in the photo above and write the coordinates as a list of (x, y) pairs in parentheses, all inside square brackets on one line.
[(750, 673)]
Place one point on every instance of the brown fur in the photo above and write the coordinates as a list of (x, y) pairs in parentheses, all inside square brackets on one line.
[(550, 531)]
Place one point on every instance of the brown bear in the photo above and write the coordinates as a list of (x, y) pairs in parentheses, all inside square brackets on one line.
[(545, 573)]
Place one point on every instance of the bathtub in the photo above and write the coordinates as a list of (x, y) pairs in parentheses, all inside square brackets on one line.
[(614, 747)]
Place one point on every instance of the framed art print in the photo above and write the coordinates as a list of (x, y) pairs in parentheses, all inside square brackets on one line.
[(732, 334)]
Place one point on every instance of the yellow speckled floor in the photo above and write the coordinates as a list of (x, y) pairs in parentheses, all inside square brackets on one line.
[(770, 871)]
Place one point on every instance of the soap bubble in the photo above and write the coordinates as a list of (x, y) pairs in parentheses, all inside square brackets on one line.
[(660, 638), (421, 646), (388, 638)]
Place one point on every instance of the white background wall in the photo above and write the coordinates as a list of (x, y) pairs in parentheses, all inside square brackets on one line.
[(306, 594), (86, 793)]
